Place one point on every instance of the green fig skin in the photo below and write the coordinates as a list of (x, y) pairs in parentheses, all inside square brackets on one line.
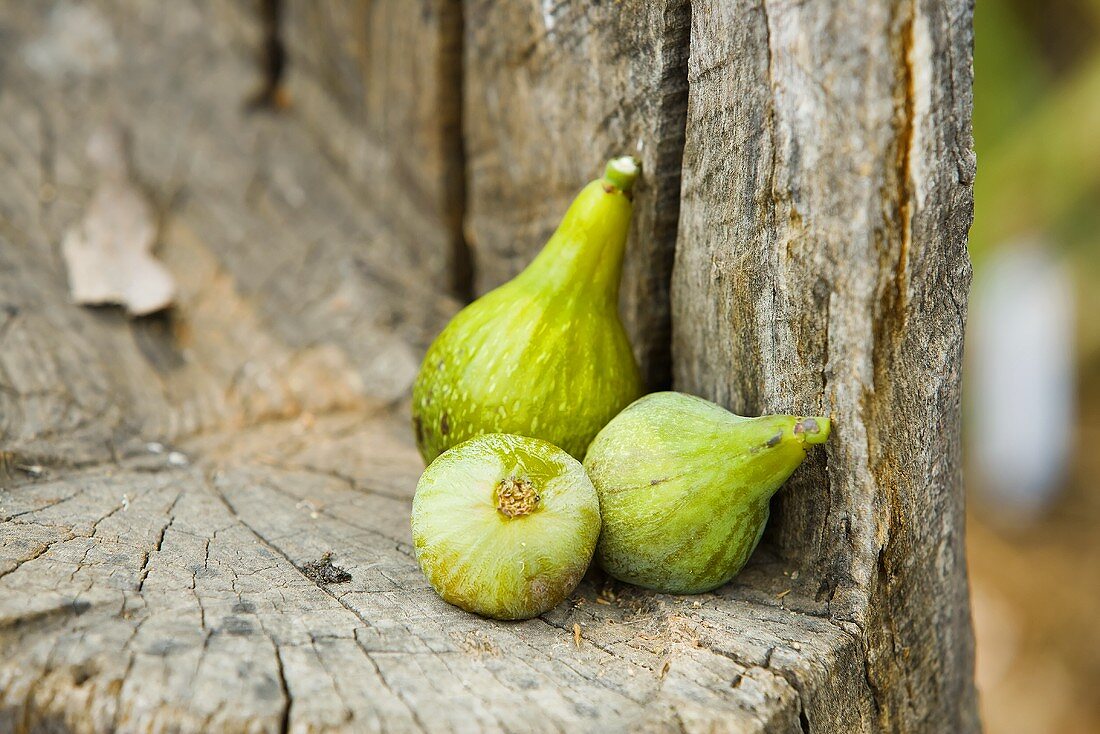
[(505, 526), (684, 487), (544, 355)]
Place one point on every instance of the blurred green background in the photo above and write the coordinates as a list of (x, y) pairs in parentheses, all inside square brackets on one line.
[(1033, 373)]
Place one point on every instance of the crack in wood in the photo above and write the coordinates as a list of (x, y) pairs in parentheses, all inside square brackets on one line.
[(284, 719), (271, 95)]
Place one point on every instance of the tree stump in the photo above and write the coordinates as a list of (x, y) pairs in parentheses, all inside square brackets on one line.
[(204, 513)]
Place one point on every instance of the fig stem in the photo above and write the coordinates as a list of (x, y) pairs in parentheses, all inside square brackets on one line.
[(813, 430), (621, 172)]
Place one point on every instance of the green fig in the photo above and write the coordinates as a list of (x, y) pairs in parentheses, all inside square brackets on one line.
[(505, 526), (544, 355), (684, 487)]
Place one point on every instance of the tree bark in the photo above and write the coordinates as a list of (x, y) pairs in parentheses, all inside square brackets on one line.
[(172, 487)]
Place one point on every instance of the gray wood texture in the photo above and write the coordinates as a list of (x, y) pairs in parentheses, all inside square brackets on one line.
[(821, 268), (167, 482), (380, 84), (552, 91)]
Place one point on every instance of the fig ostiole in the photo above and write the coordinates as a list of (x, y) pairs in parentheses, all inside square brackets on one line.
[(684, 487), (545, 354), (505, 526)]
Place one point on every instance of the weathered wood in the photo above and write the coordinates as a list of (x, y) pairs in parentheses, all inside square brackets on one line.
[(821, 267), (144, 589), (147, 589), (282, 308), (552, 90), (140, 595), (380, 85)]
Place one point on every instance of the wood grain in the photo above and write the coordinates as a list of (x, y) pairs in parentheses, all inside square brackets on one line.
[(288, 285), (380, 85), (140, 595), (821, 268)]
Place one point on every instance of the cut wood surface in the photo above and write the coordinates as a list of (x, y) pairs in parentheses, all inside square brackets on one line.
[(184, 497)]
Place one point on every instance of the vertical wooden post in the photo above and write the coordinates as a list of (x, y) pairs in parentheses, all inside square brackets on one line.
[(821, 266), (381, 84)]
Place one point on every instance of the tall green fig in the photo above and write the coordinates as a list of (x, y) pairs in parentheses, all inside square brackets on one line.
[(684, 487), (544, 355)]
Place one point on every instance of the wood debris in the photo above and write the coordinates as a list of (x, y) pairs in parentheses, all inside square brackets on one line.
[(35, 471), (108, 252), (323, 571)]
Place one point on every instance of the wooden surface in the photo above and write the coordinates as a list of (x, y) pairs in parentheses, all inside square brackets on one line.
[(166, 482), (821, 268), (380, 85)]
